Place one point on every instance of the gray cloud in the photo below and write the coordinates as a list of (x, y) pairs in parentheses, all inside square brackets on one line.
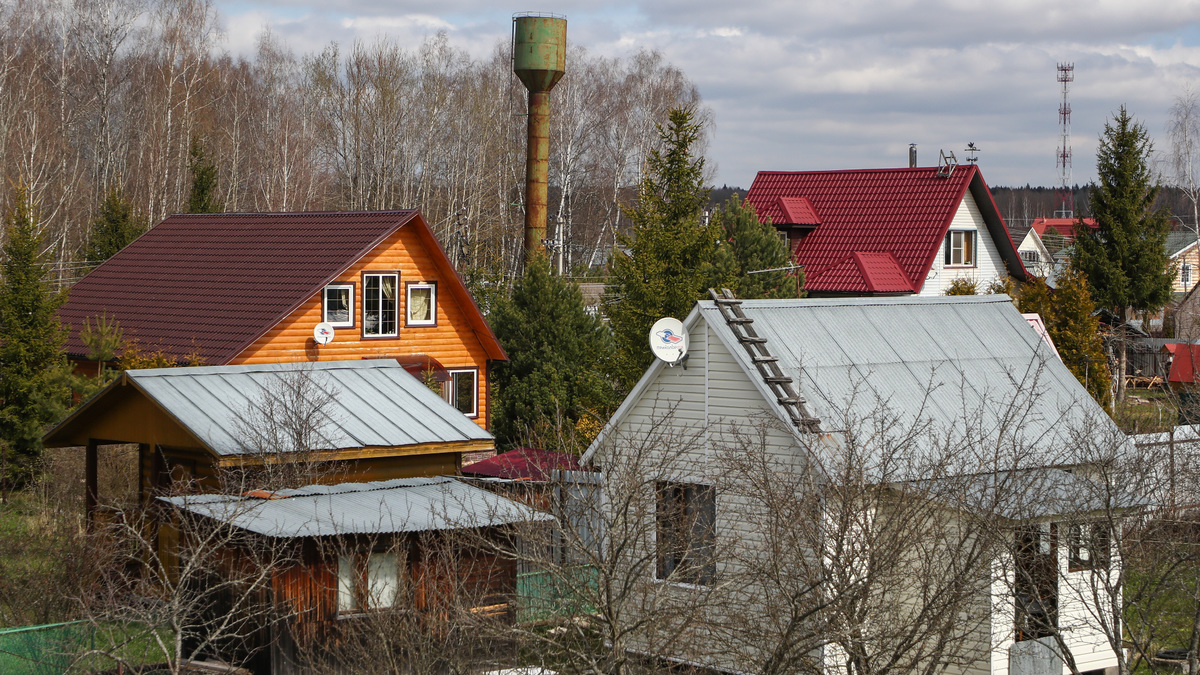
[(814, 85)]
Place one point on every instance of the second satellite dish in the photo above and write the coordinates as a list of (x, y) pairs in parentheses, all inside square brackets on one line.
[(323, 333), (668, 340)]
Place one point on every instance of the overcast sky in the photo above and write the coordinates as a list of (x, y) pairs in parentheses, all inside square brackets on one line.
[(828, 84)]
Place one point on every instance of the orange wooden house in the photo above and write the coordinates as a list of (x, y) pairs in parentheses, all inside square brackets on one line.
[(245, 288)]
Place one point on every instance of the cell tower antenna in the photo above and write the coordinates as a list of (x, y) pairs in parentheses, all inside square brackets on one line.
[(1064, 198)]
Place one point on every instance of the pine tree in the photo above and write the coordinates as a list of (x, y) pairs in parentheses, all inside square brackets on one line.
[(1076, 335), (203, 197), (1035, 299), (668, 258), (34, 376), (114, 227), (751, 246), (1125, 258), (555, 349)]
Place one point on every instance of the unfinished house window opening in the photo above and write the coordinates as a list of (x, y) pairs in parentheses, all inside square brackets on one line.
[(960, 248), (421, 304), (379, 304), (368, 581), (1089, 546), (338, 305), (686, 514), (1036, 584), (461, 391)]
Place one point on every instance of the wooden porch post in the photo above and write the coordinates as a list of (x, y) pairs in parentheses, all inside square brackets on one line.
[(91, 496)]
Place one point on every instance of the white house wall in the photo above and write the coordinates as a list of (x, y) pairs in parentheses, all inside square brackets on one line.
[(990, 265)]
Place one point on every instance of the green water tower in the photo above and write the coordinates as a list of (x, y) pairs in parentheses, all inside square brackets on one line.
[(539, 60)]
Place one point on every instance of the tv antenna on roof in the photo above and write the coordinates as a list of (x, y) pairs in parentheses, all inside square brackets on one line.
[(669, 341), (972, 152)]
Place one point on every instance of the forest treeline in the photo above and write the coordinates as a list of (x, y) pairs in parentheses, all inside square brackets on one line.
[(97, 95)]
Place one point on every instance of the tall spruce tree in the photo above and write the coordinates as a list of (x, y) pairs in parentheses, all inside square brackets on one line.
[(555, 349), (1125, 258), (114, 227), (34, 376), (203, 196), (752, 246), (667, 257)]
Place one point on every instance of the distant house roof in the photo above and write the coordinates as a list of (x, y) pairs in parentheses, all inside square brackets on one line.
[(1185, 364), (1064, 226), (524, 464), (380, 507), (373, 403), (1038, 325), (903, 213), (925, 359), (1179, 241), (210, 284)]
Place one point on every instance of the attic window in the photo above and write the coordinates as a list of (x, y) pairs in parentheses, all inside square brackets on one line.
[(686, 532), (421, 304), (337, 305), (960, 248), (379, 304)]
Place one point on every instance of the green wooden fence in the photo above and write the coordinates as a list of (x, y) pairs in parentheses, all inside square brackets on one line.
[(543, 596), (43, 650)]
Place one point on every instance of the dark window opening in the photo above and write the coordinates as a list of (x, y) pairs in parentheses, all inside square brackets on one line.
[(686, 514), (1036, 583)]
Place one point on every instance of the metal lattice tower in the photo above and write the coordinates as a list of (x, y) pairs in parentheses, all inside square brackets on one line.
[(1064, 198)]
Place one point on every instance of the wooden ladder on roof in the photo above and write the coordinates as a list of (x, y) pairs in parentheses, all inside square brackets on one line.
[(768, 366)]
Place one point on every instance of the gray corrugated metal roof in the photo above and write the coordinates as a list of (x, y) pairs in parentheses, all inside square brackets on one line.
[(940, 360), (381, 507), (375, 403)]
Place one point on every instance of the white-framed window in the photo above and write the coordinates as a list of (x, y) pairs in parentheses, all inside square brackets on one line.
[(421, 304), (379, 304), (1185, 274), (1030, 257), (462, 391), (961, 248), (337, 305), (368, 580), (685, 540), (1088, 546)]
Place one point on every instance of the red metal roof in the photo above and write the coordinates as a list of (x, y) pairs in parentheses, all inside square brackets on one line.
[(1064, 226), (797, 211), (524, 464), (1185, 364), (210, 284), (865, 273), (903, 213)]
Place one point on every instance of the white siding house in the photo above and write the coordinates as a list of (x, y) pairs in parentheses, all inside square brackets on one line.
[(918, 378)]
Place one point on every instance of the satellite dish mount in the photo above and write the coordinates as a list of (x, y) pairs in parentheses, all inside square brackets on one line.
[(669, 341)]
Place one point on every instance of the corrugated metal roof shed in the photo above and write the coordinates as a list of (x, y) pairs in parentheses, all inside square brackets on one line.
[(374, 403), (381, 507), (935, 359)]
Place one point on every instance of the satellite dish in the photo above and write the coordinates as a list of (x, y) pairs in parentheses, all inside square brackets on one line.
[(668, 340), (323, 333)]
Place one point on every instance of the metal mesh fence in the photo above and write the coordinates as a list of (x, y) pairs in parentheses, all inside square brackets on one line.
[(43, 650)]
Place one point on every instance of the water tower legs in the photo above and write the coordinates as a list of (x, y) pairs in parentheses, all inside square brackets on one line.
[(537, 171)]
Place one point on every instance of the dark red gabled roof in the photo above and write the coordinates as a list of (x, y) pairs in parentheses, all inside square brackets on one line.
[(901, 212), (1184, 364), (210, 284)]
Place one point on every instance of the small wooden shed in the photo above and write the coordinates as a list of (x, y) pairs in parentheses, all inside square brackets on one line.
[(370, 420)]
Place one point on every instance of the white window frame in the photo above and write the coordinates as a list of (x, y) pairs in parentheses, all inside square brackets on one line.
[(959, 248), (408, 289), (365, 300), (451, 389), (368, 580), (349, 323), (1185, 274)]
